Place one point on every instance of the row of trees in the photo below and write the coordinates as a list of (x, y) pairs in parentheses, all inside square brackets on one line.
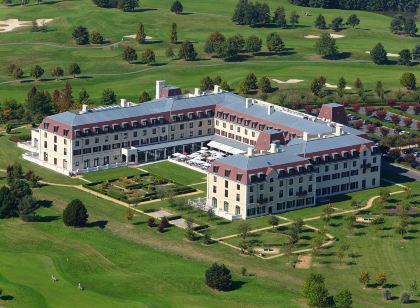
[(248, 13), (219, 46), (365, 5), (82, 36), (403, 25), (37, 71), (124, 5), (336, 23), (252, 84)]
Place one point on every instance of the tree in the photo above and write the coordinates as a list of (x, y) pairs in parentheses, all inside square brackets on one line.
[(173, 38), (244, 87), (207, 84), (416, 53), (17, 73), (395, 118), (320, 22), (144, 97), (294, 19), (83, 96), (140, 34), (350, 222), (279, 18), (75, 214), (251, 81), (381, 114), (405, 57), (109, 97), (275, 42), (129, 54), (244, 229), (379, 90), (129, 214), (353, 20), (397, 24), (58, 72), (96, 38), (404, 106), (224, 85), (177, 7), (151, 222), (337, 23), (326, 46), (11, 68), (81, 35), (74, 69), (241, 10), (264, 85), (387, 295), (218, 277), (148, 56), (237, 41), (274, 221), (380, 278), (228, 48), (341, 86), (213, 42), (414, 287), (343, 299), (37, 72), (408, 80), (327, 212), (210, 214), (364, 278), (187, 51), (378, 54), (169, 52), (410, 27), (315, 291), (38, 104), (8, 203), (317, 86), (128, 5), (253, 44)]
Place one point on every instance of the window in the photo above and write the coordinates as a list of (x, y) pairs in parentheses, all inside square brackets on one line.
[(214, 189), (301, 180), (214, 202), (290, 181), (238, 197), (238, 187), (290, 191), (226, 193), (226, 206), (237, 210)]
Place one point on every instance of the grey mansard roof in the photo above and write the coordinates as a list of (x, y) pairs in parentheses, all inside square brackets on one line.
[(176, 104)]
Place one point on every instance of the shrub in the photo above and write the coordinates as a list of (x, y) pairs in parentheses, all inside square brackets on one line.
[(343, 299), (405, 298), (387, 295), (151, 222), (218, 277), (407, 122), (75, 214), (161, 228), (369, 110), (404, 106)]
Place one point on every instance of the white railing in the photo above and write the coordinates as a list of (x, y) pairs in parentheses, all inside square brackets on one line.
[(184, 164), (27, 146), (201, 204), (34, 158), (100, 168)]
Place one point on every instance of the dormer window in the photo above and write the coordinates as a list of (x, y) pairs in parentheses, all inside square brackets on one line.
[(125, 125), (46, 125), (97, 130), (227, 172), (135, 124), (55, 128), (86, 131), (65, 132), (105, 128)]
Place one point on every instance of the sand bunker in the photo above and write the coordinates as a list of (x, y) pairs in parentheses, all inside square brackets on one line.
[(334, 86), (304, 261), (288, 81), (388, 54), (133, 36), (317, 36), (12, 24)]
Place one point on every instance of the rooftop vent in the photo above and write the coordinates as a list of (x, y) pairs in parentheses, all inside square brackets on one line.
[(85, 108)]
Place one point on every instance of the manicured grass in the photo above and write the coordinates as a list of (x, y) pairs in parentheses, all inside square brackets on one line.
[(105, 65), (176, 173), (111, 174)]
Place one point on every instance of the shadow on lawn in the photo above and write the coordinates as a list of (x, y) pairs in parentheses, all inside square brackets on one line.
[(99, 223)]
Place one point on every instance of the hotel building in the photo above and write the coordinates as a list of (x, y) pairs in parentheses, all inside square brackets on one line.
[(280, 159)]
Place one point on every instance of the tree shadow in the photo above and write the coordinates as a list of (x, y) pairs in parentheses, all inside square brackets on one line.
[(236, 285), (185, 13), (342, 56), (238, 58), (143, 9), (152, 41), (101, 224), (49, 218), (359, 233), (390, 285), (7, 297), (44, 203)]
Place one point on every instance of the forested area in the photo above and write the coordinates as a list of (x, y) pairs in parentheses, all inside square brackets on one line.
[(366, 5)]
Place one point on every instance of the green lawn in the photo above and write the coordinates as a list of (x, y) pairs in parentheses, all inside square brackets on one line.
[(111, 174), (107, 70), (176, 173)]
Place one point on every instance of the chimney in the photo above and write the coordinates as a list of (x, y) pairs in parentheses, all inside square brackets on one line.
[(85, 108), (338, 129), (159, 85), (305, 136), (274, 148), (197, 92), (123, 102), (270, 109), (248, 102), (250, 152), (216, 89)]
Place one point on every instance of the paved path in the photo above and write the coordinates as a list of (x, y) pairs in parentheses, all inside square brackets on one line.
[(401, 170)]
